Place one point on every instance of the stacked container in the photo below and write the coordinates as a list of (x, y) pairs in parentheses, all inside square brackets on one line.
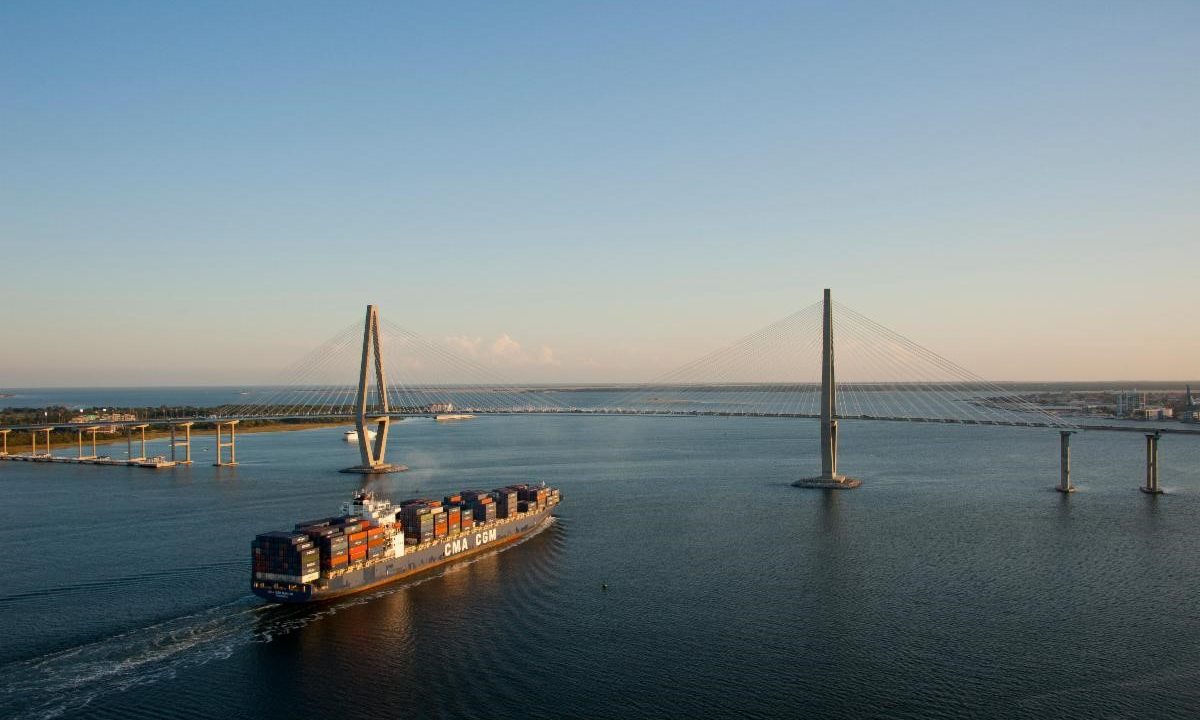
[(440, 524), (417, 521), (285, 557), (331, 543), (377, 543), (454, 520), (357, 542), (484, 510), (535, 496), (506, 502)]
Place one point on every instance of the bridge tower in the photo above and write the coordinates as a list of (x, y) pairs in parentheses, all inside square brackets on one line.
[(370, 451), (829, 478)]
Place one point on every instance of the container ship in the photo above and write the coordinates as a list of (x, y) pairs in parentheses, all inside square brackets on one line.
[(373, 542)]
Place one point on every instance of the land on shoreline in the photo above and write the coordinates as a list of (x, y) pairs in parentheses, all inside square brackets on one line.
[(19, 442)]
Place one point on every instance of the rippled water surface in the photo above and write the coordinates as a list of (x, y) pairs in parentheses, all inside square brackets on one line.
[(954, 583)]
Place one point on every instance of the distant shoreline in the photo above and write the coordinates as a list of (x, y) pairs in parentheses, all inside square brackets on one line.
[(19, 441)]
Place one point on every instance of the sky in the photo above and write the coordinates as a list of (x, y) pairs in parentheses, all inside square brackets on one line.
[(201, 193)]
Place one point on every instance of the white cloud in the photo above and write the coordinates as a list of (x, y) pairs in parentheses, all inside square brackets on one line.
[(504, 350), (465, 345), (546, 357), (506, 347)]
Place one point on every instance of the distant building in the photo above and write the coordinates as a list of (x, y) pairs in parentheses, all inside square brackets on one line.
[(1191, 409), (441, 407), (1129, 402), (1153, 413)]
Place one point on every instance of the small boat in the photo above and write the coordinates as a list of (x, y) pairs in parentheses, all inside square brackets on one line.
[(352, 435), (453, 416)]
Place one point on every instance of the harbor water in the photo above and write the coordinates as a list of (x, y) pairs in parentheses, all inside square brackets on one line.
[(684, 577)]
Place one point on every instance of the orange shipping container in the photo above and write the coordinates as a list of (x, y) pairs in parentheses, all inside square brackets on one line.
[(354, 537), (375, 543), (358, 553)]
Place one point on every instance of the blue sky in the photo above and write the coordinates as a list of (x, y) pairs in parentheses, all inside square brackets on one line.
[(199, 193)]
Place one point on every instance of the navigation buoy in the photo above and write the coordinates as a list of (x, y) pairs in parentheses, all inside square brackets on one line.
[(603, 586)]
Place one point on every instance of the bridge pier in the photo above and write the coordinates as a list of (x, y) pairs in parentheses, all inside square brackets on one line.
[(33, 444), (829, 478), (129, 442), (231, 444), (4, 442), (186, 443), (81, 431), (1151, 487), (1064, 462)]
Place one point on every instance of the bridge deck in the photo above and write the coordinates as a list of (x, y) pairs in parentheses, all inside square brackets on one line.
[(1177, 429)]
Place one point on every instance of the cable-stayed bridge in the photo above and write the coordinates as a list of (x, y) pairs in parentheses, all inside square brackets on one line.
[(376, 371)]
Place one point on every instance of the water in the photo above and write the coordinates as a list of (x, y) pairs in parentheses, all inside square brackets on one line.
[(954, 583)]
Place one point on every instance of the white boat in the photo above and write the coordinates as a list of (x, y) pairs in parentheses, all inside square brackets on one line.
[(352, 435)]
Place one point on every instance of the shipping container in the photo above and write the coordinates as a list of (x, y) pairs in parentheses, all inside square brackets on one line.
[(484, 512)]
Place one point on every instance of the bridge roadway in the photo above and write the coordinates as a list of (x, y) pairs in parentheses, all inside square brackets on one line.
[(1178, 429)]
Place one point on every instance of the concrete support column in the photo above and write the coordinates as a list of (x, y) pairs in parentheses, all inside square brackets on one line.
[(33, 446), (828, 396), (186, 443), (222, 444), (142, 446), (1151, 485), (1064, 461), (4, 441)]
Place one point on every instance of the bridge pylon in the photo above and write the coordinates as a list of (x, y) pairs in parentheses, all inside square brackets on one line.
[(1151, 487), (829, 477), (372, 451)]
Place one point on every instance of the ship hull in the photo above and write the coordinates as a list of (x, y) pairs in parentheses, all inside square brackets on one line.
[(415, 560)]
